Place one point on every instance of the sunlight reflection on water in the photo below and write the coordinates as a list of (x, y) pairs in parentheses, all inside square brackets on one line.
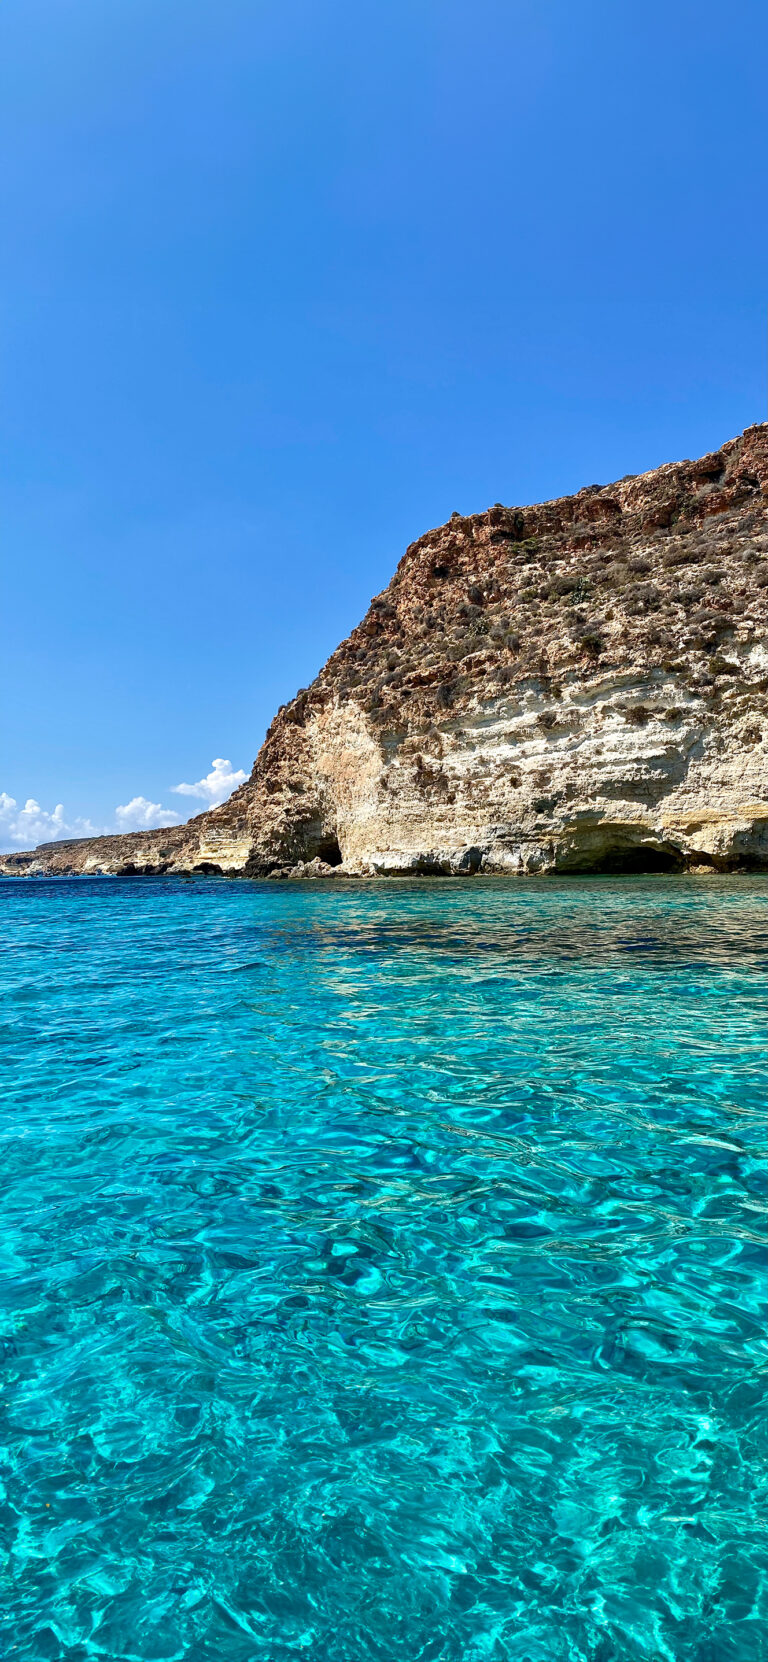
[(384, 1270)]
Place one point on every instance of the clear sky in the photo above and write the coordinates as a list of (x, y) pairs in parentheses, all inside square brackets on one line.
[(284, 283)]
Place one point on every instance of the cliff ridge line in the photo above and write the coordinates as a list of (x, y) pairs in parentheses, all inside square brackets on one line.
[(578, 685)]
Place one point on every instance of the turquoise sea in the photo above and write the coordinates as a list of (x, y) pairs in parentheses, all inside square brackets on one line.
[(384, 1271)]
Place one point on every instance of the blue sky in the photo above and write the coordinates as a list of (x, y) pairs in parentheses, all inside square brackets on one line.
[(284, 284)]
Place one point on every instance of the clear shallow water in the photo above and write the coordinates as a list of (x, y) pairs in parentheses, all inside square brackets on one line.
[(383, 1271)]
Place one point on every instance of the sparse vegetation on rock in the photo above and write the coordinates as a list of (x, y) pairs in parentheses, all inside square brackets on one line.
[(621, 633)]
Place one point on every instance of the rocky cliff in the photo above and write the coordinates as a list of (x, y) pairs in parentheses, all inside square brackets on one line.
[(576, 686)]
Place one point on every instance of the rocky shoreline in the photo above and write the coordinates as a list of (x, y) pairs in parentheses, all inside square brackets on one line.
[(577, 686)]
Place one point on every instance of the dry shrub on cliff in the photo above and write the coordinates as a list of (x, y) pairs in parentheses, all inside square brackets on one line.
[(641, 598), (677, 556)]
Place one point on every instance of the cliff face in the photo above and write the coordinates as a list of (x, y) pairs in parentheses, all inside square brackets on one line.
[(577, 686)]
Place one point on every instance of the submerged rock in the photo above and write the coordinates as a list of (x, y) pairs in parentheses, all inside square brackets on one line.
[(576, 686)]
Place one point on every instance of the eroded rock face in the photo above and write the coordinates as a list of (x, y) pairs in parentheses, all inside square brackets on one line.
[(576, 686)]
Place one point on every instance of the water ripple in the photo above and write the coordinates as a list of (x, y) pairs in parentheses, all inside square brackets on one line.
[(384, 1271)]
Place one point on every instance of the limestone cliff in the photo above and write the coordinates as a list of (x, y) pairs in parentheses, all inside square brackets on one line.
[(577, 686)]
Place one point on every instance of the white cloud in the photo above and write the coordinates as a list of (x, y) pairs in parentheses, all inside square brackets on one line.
[(217, 785), (32, 824), (26, 827), (142, 815)]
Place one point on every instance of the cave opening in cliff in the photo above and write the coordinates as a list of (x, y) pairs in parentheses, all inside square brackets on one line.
[(635, 861), (620, 856), (328, 849)]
